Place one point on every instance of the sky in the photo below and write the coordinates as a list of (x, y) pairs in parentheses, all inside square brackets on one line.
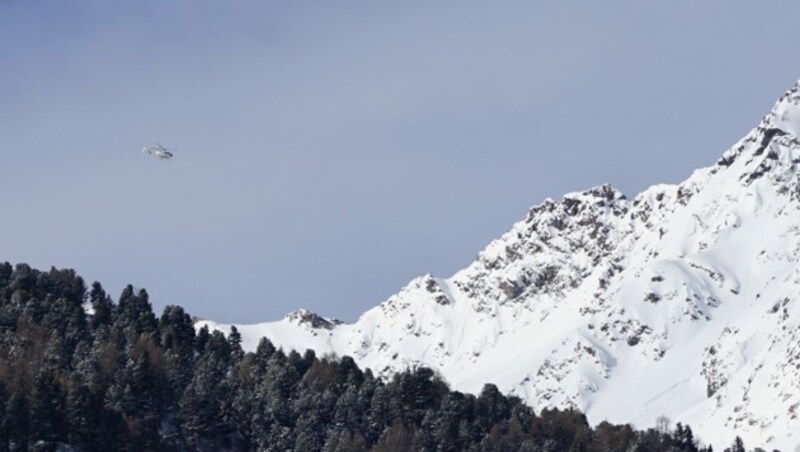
[(329, 152)]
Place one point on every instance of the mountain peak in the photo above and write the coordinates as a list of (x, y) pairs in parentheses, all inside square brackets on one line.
[(771, 149), (785, 115), (681, 302), (605, 192), (304, 317)]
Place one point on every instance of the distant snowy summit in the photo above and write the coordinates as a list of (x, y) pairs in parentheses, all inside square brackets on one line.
[(681, 302)]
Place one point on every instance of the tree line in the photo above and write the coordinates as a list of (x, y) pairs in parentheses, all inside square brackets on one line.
[(122, 378)]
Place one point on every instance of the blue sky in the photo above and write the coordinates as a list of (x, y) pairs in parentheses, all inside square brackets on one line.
[(330, 153)]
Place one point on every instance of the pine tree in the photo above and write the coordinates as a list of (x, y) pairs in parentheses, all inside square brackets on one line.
[(201, 340), (177, 336), (6, 270), (396, 437), (737, 446), (17, 421), (491, 406), (135, 314), (143, 393), (83, 415), (102, 306), (48, 408), (235, 342), (5, 435), (309, 431)]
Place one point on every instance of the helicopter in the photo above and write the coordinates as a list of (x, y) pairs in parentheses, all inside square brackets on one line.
[(158, 151)]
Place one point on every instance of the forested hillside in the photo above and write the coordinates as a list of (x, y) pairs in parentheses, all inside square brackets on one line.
[(80, 371)]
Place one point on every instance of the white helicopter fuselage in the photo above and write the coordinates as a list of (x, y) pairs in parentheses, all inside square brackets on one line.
[(159, 152)]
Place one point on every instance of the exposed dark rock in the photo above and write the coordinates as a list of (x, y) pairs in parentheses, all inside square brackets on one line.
[(313, 320)]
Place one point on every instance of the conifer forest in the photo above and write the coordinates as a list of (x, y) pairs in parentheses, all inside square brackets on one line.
[(80, 371)]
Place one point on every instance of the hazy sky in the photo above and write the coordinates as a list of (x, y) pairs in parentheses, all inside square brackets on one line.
[(331, 151)]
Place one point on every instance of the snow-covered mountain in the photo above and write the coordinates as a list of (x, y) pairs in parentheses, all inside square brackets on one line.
[(683, 301)]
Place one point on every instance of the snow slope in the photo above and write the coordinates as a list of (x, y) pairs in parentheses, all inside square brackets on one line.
[(681, 302)]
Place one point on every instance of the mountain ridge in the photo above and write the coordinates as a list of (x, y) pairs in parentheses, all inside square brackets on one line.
[(678, 302)]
